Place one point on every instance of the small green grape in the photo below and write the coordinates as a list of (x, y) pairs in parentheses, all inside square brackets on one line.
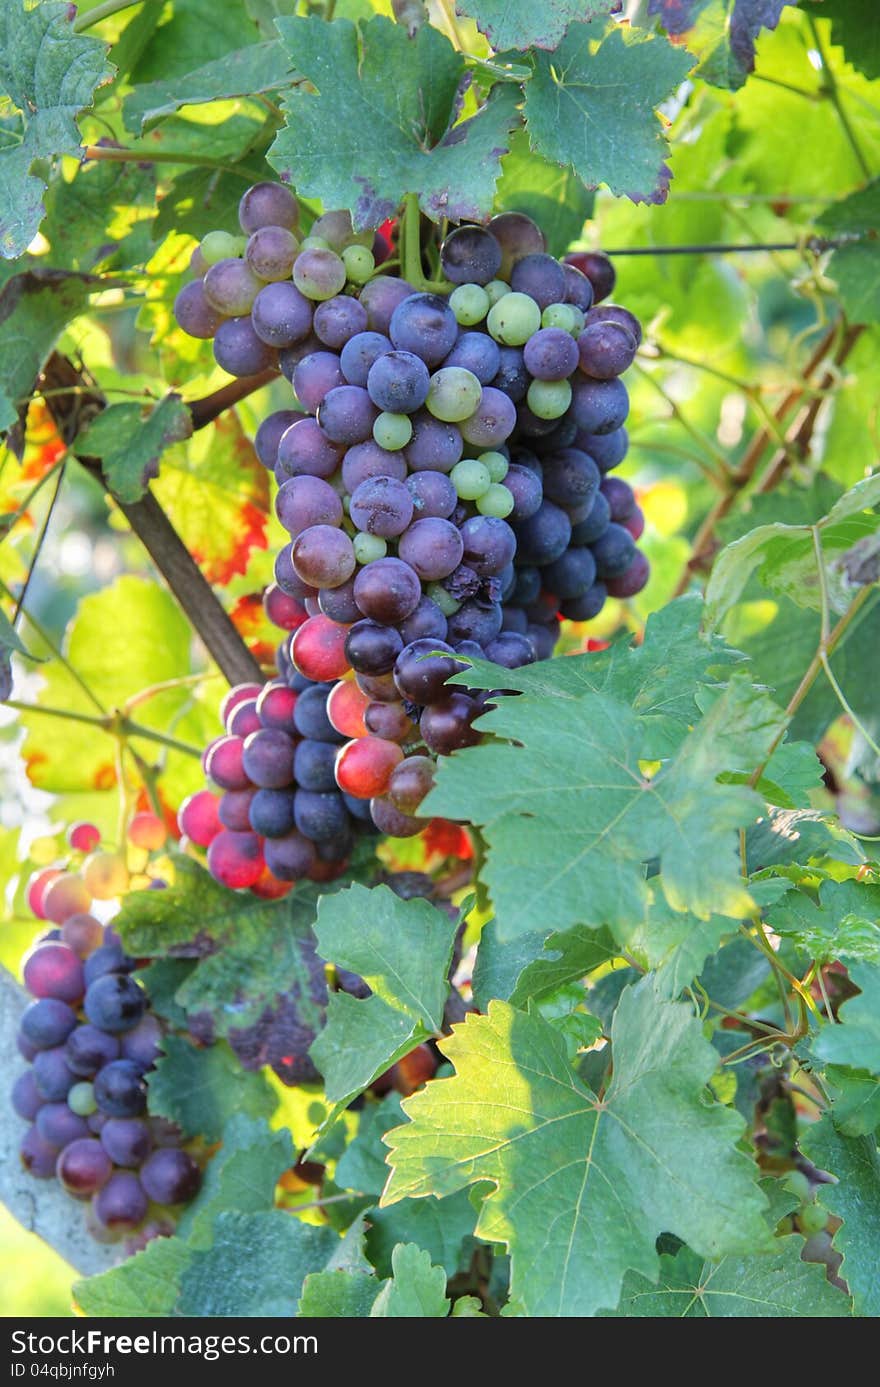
[(495, 290), (559, 315), (580, 319), (359, 263), (219, 245), (496, 500), (392, 431), (454, 394), (812, 1219), (799, 1184), (470, 478), (444, 600), (513, 319), (315, 243), (497, 464), (549, 399), (470, 304), (81, 1100), (369, 547)]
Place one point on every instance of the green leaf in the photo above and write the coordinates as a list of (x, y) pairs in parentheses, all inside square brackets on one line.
[(677, 943), (255, 1266), (442, 1228), (855, 1162), (785, 560), (854, 28), (201, 1090), (569, 817), (722, 33), (855, 1099), (261, 67), (856, 267), (530, 967), (416, 1291), (130, 444), (35, 308), (403, 950), (592, 104), (842, 923), (583, 1186), (338, 1294), (143, 1287), (242, 1176), (548, 193), (398, 135), (798, 835), (102, 215), (856, 1040), (772, 1285), (258, 980), (49, 73), (191, 34), (521, 24)]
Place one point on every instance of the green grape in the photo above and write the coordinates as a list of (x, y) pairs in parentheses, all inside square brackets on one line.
[(580, 319), (444, 600), (497, 464), (812, 1219), (454, 394), (549, 399), (392, 431), (81, 1100), (496, 500), (369, 547), (513, 319), (495, 290), (219, 245), (470, 304), (359, 263), (470, 478), (560, 315), (315, 243), (799, 1184)]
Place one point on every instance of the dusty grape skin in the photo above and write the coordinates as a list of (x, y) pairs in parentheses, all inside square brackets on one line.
[(470, 255), (281, 315), (238, 349)]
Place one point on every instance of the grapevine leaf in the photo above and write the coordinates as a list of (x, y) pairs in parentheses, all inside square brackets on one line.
[(721, 34), (584, 1186), (842, 923), (798, 835), (362, 1165), (201, 1090), (591, 104), (732, 975), (854, 29), (855, 1198), (335, 1294), (856, 266), (261, 67), (855, 1096), (258, 980), (530, 967), (363, 142), (256, 1265), (191, 34), (101, 216), (35, 307), (241, 1176), (772, 1285), (785, 559), (856, 1041), (403, 950), (144, 1286), (216, 494), (49, 74), (520, 24), (569, 817), (130, 444), (417, 1289), (551, 195), (677, 943)]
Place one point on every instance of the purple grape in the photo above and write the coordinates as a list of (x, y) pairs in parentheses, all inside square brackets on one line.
[(281, 315), (447, 726), (238, 349), (338, 320), (426, 621), (143, 1043), (543, 639), (594, 524), (320, 816), (305, 501), (387, 590), (271, 251), (633, 579), (597, 268), (194, 313), (391, 821), (382, 506), (571, 478), (120, 1090), (26, 1097), (339, 604), (271, 812), (420, 673), (115, 1003), (613, 313), (347, 415), (599, 406), (562, 435), (268, 435), (426, 325), (126, 1140), (620, 497), (525, 487), (109, 958), (54, 970), (367, 460), (381, 297), (489, 544), (613, 551), (475, 621), (290, 357), (511, 649), (435, 446), (398, 382), (324, 556), (47, 1022), (38, 1156), (432, 547), (315, 376), (605, 350), (571, 574), (544, 536), (541, 277), (234, 810), (359, 354), (122, 1204), (268, 758), (578, 289), (585, 607), (231, 287), (512, 378), (518, 236), (290, 857), (267, 204), (170, 1176), (528, 585), (389, 721), (478, 353), (310, 715), (492, 422), (88, 1049), (468, 650), (371, 648), (59, 1126), (304, 451), (432, 494), (550, 354), (52, 1075), (470, 255), (606, 450), (313, 764)]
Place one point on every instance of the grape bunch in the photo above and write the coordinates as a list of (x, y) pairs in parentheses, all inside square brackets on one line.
[(89, 1038), (443, 476)]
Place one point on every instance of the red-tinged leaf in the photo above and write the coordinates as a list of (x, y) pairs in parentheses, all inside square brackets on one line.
[(448, 840), (255, 628), (216, 494)]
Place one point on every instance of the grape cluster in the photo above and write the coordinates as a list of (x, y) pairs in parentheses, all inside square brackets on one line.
[(89, 1038), (444, 481)]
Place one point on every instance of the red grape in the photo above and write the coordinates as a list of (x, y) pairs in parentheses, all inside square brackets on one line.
[(363, 767)]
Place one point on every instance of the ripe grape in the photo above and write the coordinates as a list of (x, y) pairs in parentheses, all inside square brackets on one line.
[(447, 726), (38, 1156), (52, 1074), (426, 620), (632, 580), (476, 621), (371, 648), (359, 354), (389, 819), (47, 1022), (281, 315), (387, 590), (231, 286), (346, 415), (420, 672), (613, 551), (544, 536), (550, 355), (319, 274), (271, 252), (398, 381), (37, 886), (235, 859), (433, 548), (364, 766), (109, 958), (54, 970), (26, 1097), (597, 268), (194, 312), (198, 817), (389, 721), (318, 647), (114, 1003), (518, 236), (313, 764), (435, 445), (290, 857), (320, 815), (142, 1044), (59, 1125), (426, 325), (122, 1203), (267, 204), (470, 255), (305, 451), (477, 353), (492, 422), (381, 506), (510, 649), (238, 349), (346, 704), (339, 319), (594, 523), (170, 1176), (410, 783), (605, 349), (599, 406), (324, 557)]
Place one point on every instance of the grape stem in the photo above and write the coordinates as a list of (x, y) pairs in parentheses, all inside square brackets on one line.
[(99, 12), (814, 244), (117, 155), (116, 724)]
